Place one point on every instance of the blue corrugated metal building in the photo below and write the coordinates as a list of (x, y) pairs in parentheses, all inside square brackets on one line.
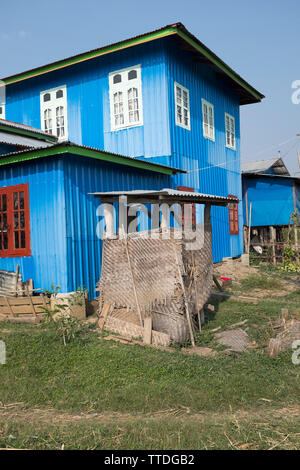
[(273, 193), (181, 110)]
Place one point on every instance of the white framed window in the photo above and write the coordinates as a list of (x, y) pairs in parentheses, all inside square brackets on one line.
[(208, 119), (230, 131), (54, 112), (125, 97), (182, 106), (2, 111)]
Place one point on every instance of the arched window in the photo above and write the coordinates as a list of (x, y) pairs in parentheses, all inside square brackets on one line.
[(54, 115), (117, 78), (125, 98), (132, 74), (47, 97)]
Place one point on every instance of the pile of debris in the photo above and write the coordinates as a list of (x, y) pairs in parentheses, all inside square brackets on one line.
[(285, 339)]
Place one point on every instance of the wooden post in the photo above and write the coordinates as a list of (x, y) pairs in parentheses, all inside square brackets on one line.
[(289, 228), (17, 279), (148, 330), (273, 239), (245, 239), (185, 299), (246, 201), (196, 293), (249, 228), (295, 222)]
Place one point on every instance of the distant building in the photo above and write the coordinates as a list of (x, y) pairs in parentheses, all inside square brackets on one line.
[(274, 196), (155, 111)]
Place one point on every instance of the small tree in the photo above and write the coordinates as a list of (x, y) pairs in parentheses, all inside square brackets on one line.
[(60, 316)]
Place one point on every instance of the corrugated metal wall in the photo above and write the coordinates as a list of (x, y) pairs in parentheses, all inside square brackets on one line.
[(212, 167), (47, 263), (88, 102), (83, 176), (271, 198), (65, 249)]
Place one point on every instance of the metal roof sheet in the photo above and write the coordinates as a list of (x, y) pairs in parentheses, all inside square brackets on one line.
[(260, 166), (17, 127), (81, 150), (22, 141), (168, 194)]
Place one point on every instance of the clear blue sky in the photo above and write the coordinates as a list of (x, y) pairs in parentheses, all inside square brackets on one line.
[(257, 38)]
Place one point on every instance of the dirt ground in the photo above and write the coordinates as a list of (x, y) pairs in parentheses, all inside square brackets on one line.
[(236, 271)]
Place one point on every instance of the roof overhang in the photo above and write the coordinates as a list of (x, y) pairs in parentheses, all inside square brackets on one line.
[(247, 93), (26, 131), (21, 141), (165, 195), (268, 175), (66, 148)]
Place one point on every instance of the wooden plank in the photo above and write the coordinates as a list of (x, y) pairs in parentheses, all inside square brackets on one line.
[(9, 306), (135, 331), (20, 319), (32, 305), (105, 312), (220, 288), (17, 278), (148, 330), (36, 300), (20, 309)]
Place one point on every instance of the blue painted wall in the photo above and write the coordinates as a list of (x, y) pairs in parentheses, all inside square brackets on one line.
[(48, 260), (271, 198), (65, 249), (88, 102), (83, 176), (212, 167)]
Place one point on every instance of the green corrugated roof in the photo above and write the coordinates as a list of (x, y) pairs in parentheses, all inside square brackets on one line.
[(70, 148)]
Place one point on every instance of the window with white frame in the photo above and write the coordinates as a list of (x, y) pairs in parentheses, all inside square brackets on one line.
[(182, 106), (208, 120), (2, 111), (54, 118), (125, 97), (230, 131)]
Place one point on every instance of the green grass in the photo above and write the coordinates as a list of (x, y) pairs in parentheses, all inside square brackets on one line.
[(208, 431), (92, 375), (96, 376), (259, 281)]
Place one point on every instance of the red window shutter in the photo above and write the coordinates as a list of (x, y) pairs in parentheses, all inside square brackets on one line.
[(14, 221), (190, 190), (233, 211)]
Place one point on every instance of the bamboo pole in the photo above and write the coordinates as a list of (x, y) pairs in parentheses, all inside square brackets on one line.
[(185, 299), (196, 294)]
